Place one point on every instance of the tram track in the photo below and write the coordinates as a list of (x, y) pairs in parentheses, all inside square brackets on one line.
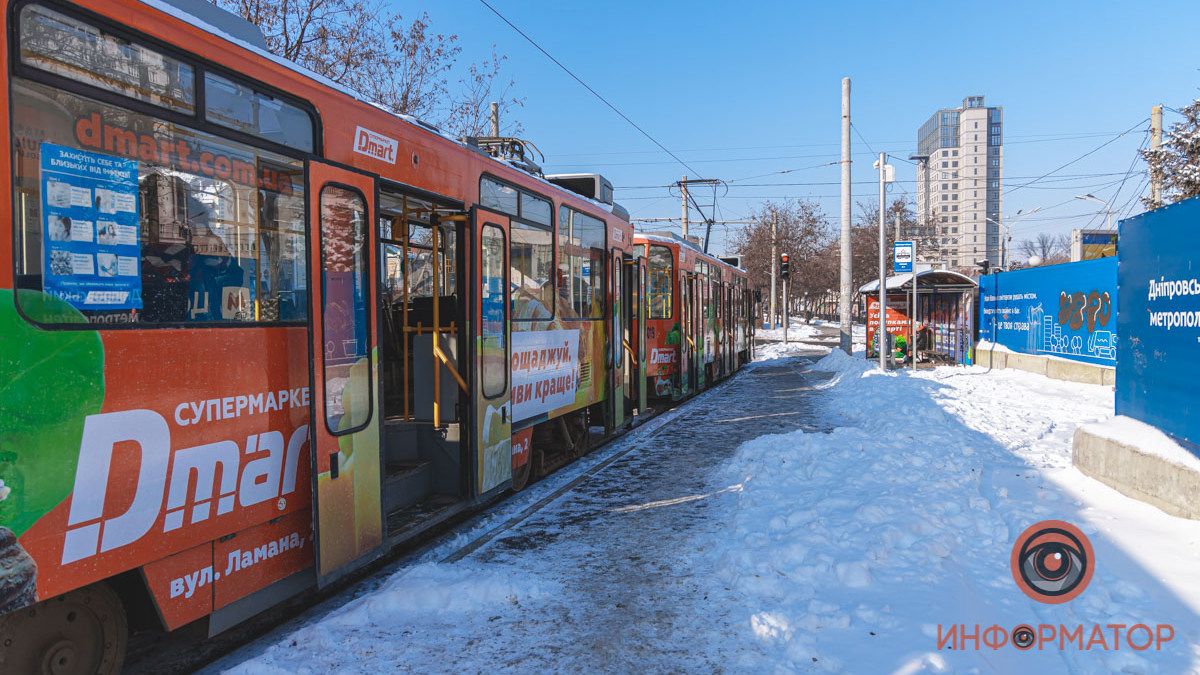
[(189, 649)]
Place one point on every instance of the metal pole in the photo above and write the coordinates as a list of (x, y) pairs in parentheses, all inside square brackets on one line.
[(1156, 175), (774, 263), (495, 117), (683, 191), (881, 330), (1003, 246), (785, 310), (847, 260), (912, 319)]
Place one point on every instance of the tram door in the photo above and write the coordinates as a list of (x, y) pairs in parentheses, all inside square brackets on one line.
[(618, 338), (344, 387), (699, 331), (489, 318), (685, 333), (635, 290)]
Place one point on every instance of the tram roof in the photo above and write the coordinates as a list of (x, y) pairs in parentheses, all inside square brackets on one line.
[(672, 238), (944, 279), (179, 11)]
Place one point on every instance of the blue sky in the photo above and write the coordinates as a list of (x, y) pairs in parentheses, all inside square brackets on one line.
[(750, 88)]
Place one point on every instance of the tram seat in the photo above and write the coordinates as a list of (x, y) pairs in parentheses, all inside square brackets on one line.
[(420, 310)]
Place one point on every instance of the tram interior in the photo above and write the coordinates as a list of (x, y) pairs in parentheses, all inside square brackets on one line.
[(424, 400)]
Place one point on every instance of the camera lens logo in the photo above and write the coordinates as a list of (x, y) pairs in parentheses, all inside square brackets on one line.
[(1052, 561)]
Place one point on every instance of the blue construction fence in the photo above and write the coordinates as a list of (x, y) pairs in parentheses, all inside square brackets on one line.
[(1067, 310), (1159, 355)]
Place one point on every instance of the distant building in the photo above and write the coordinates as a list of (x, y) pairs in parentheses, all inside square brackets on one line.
[(960, 169)]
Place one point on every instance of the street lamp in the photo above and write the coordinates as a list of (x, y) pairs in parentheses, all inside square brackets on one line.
[(1007, 236), (1107, 209)]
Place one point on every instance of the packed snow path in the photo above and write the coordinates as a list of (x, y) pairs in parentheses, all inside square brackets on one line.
[(862, 511), (604, 578)]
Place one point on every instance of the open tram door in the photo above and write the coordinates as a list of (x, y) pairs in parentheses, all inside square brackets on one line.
[(491, 351), (344, 419)]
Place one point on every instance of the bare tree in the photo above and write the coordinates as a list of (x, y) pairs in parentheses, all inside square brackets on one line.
[(1178, 160), (401, 65), (482, 85), (864, 241), (1049, 247), (803, 233)]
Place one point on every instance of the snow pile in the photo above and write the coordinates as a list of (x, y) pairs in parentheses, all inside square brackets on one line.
[(848, 549), (1146, 439)]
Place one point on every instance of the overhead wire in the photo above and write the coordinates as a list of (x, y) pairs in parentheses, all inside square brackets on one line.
[(1083, 156), (1009, 140), (585, 85)]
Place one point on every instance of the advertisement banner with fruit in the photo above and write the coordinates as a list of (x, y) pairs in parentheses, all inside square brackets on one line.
[(116, 451)]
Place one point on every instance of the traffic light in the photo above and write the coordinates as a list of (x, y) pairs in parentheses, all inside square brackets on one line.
[(784, 266)]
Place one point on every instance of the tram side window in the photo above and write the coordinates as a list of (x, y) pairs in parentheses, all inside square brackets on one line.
[(493, 319), (498, 196), (68, 47), (234, 105), (127, 218), (581, 240), (531, 266), (505, 198), (344, 309), (662, 272)]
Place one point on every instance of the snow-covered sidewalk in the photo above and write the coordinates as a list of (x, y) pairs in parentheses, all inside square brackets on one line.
[(876, 508), (848, 549)]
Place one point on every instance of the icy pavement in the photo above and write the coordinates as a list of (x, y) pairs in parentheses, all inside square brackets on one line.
[(874, 508)]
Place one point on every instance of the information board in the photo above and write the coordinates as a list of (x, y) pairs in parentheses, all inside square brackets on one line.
[(903, 253), (1067, 310), (92, 251)]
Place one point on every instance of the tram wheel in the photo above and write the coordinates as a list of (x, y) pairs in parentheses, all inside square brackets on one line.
[(520, 475), (78, 633)]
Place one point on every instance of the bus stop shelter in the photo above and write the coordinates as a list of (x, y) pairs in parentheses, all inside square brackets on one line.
[(944, 319)]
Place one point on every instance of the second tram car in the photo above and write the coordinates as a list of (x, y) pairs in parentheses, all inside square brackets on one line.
[(699, 316)]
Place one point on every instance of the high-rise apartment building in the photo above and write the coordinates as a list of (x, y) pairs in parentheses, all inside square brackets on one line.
[(960, 168)]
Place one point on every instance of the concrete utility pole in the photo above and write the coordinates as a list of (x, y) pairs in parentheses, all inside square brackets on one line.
[(847, 260), (897, 227), (881, 330), (774, 262), (684, 214), (1156, 177), (495, 117)]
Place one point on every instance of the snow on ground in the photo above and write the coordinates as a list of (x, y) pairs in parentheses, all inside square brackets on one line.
[(887, 505), (848, 549), (798, 329)]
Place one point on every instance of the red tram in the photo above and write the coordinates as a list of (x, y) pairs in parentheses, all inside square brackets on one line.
[(256, 332), (699, 316)]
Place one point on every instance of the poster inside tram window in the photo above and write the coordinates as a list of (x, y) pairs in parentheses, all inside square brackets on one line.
[(91, 252)]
